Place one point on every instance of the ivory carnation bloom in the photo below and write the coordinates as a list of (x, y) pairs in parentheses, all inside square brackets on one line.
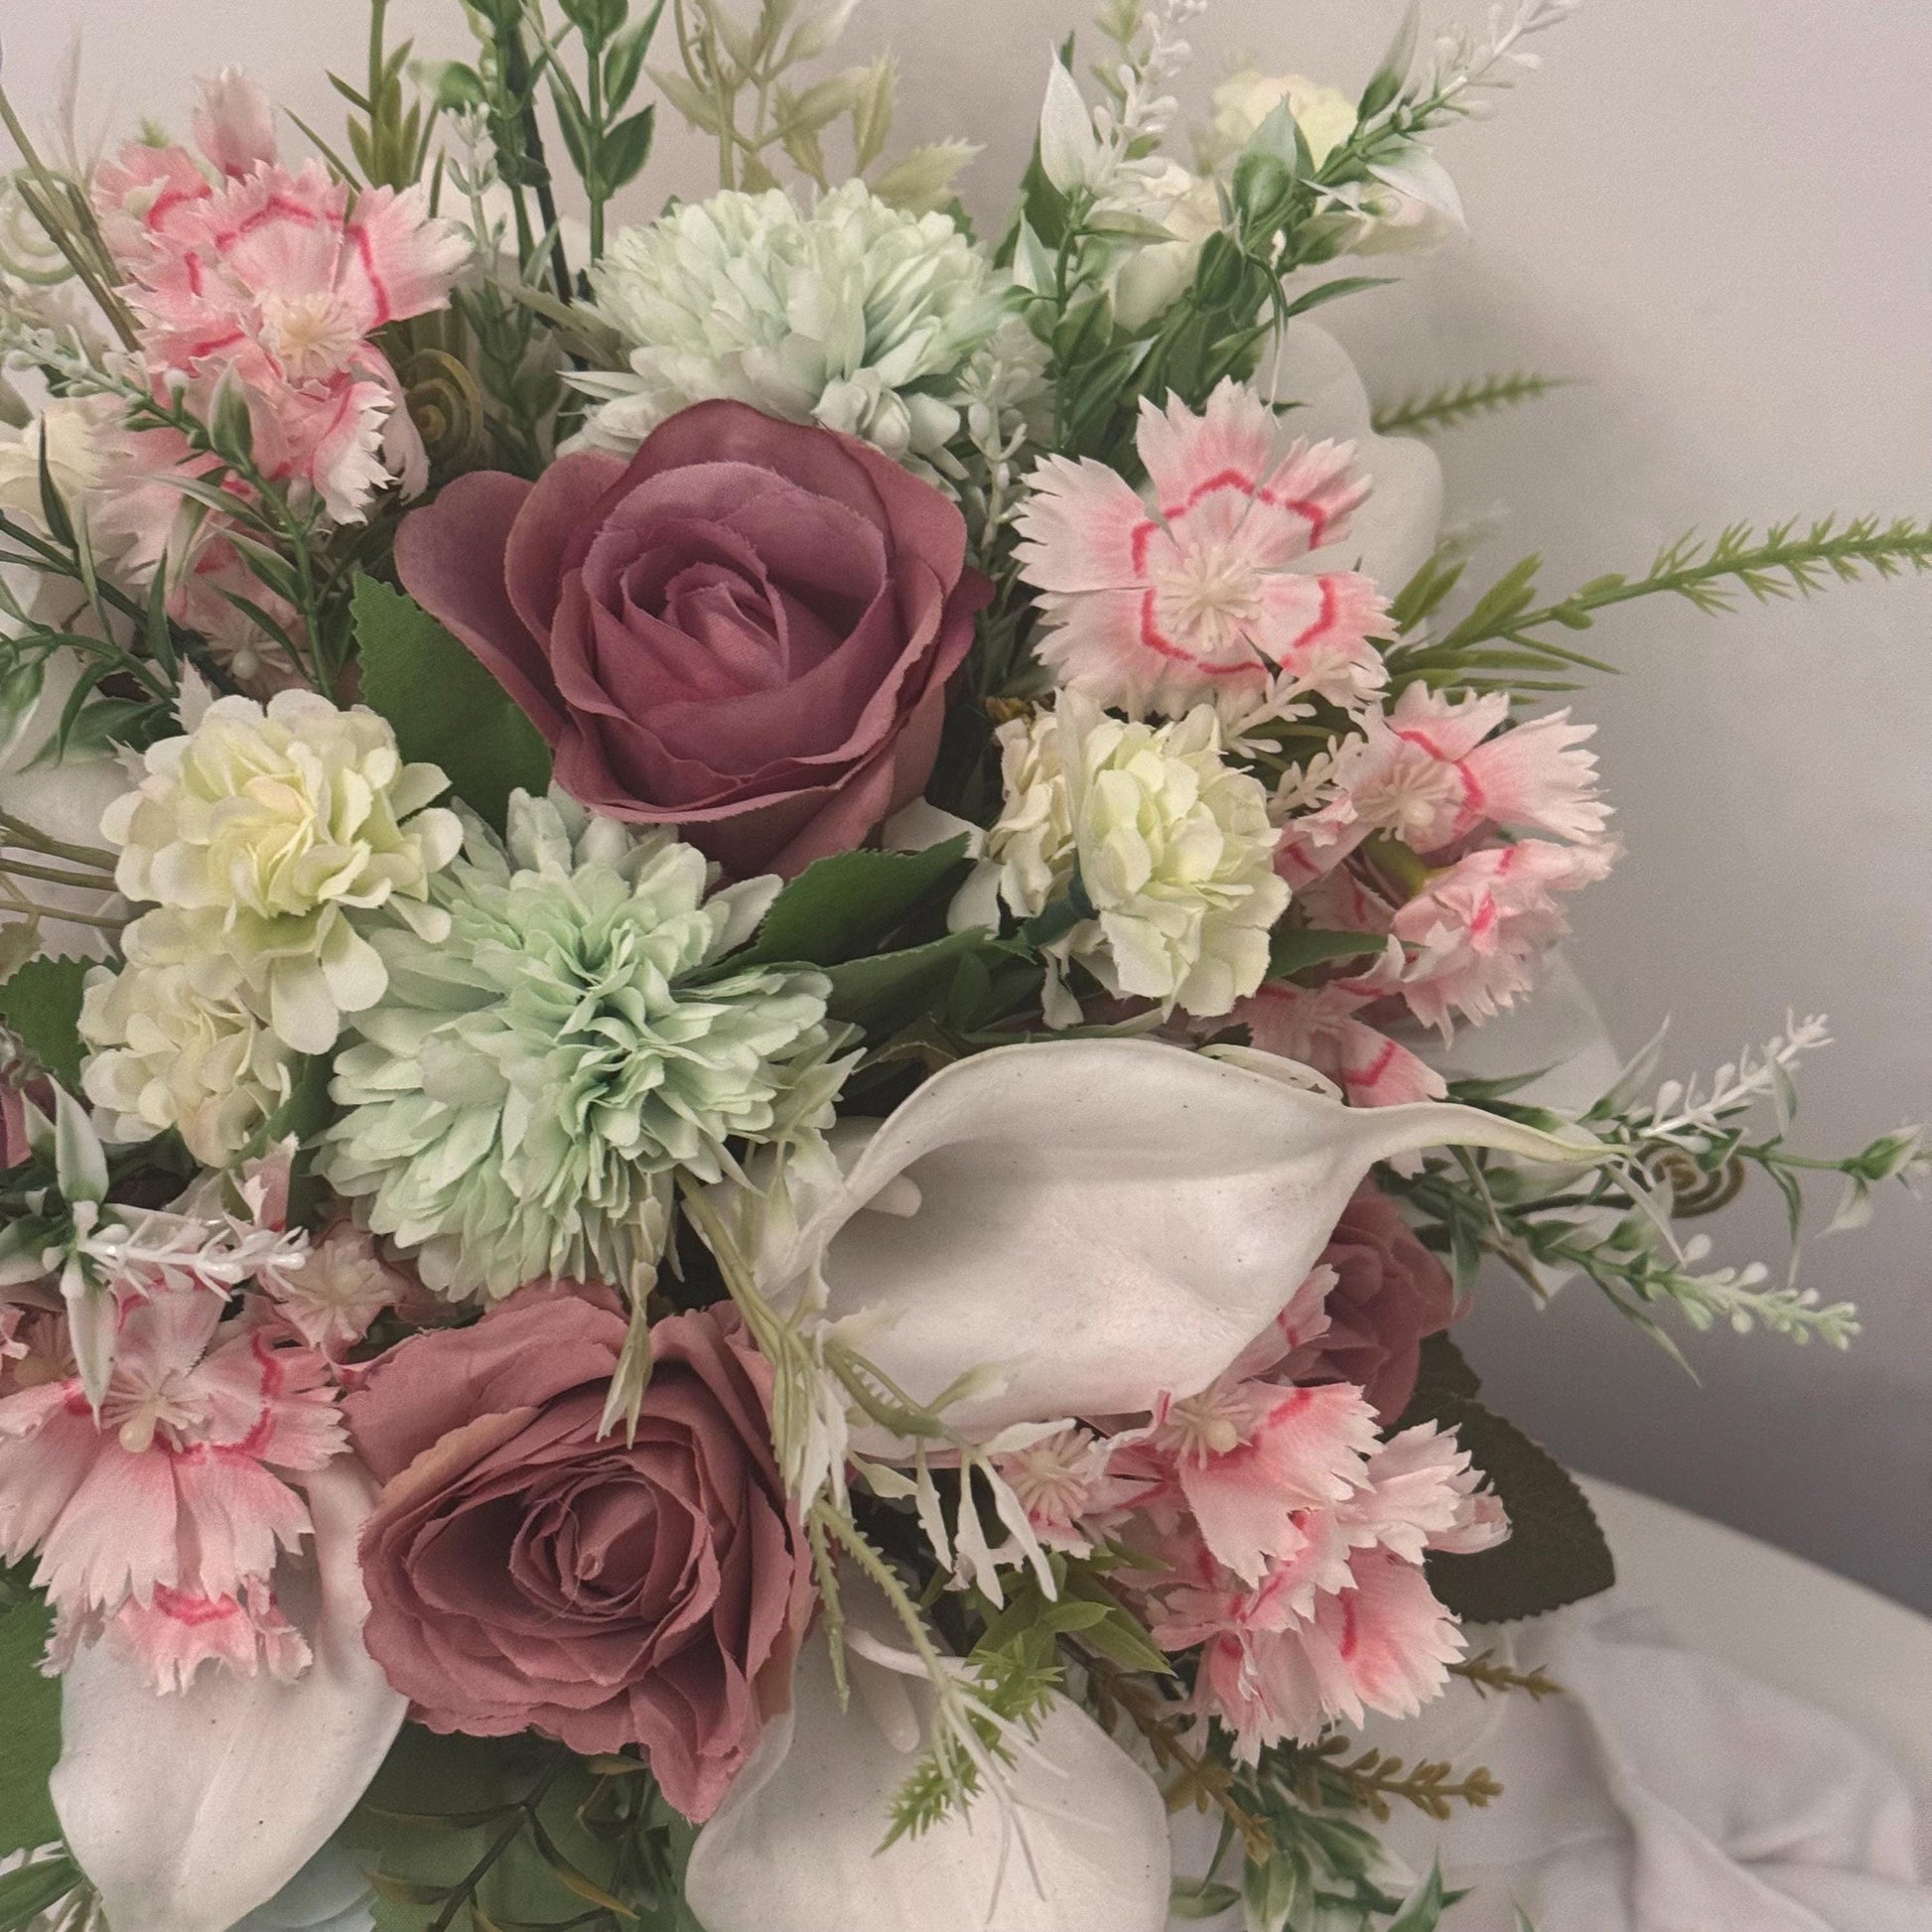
[(1164, 851), (164, 1055), (74, 435), (1326, 115), (857, 316), (518, 1099), (260, 834)]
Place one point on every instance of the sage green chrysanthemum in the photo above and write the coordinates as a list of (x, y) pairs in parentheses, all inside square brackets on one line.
[(520, 1099)]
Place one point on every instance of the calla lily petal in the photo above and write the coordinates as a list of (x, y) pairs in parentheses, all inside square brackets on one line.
[(795, 1848), (1099, 1221), (188, 1811)]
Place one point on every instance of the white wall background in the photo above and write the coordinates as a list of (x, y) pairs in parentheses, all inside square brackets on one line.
[(1715, 212)]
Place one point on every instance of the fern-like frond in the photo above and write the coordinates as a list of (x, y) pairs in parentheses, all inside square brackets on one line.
[(1458, 403)]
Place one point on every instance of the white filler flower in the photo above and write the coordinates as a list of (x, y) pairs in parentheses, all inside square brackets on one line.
[(857, 316), (1160, 853), (258, 835)]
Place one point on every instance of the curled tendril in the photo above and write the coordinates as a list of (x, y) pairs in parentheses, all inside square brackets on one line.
[(26, 253), (1694, 1190), (446, 403)]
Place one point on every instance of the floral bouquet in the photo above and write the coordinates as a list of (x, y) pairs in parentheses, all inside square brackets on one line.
[(739, 1137)]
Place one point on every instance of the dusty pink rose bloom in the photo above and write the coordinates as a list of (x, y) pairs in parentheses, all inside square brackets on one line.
[(1389, 1293), (525, 1574), (745, 631)]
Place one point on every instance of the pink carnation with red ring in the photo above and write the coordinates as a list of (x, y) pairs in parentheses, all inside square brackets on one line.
[(160, 1519), (280, 279), (1199, 599)]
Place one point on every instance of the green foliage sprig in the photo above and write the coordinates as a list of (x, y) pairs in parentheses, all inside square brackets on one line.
[(1498, 640), (1453, 404), (1682, 1152), (738, 82)]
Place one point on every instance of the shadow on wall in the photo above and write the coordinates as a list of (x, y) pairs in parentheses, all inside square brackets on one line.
[(1826, 1455)]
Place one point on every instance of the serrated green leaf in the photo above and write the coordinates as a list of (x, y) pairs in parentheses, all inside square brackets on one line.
[(845, 906), (42, 1003), (446, 708), (887, 991), (1556, 1552), (29, 1729)]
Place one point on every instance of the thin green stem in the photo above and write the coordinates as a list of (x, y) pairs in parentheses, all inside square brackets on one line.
[(82, 881), (93, 275), (96, 858)]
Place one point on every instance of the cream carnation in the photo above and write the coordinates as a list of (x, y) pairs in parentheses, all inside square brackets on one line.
[(1163, 850), (166, 1056), (1325, 116), (518, 1101), (260, 835), (857, 316), (76, 437)]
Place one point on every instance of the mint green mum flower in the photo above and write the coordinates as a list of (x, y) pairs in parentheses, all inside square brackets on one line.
[(519, 1101)]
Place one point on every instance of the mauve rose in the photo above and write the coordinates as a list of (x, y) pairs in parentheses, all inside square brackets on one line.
[(524, 1573), (745, 631), (1390, 1292)]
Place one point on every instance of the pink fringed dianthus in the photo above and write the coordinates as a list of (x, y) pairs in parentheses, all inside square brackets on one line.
[(1319, 1027), (162, 1517), (1199, 599), (279, 279), (1435, 771), (1282, 1534), (1479, 929)]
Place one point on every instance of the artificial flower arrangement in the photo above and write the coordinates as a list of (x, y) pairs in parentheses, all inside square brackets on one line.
[(733, 957)]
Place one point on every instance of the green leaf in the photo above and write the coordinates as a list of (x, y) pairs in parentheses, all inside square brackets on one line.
[(625, 61), (30, 1731), (446, 708), (1293, 949), (887, 991), (1422, 1911), (1386, 81), (1327, 292), (42, 1003), (1193, 1899), (843, 907), (624, 150), (1556, 1552), (27, 1893)]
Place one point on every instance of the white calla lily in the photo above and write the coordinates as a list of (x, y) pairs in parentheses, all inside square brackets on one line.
[(1093, 1222), (1396, 530), (1077, 1843), (188, 1811)]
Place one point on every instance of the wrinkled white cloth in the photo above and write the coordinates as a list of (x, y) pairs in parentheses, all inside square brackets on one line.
[(1661, 1792)]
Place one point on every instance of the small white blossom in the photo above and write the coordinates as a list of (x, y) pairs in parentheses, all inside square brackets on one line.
[(1164, 851)]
